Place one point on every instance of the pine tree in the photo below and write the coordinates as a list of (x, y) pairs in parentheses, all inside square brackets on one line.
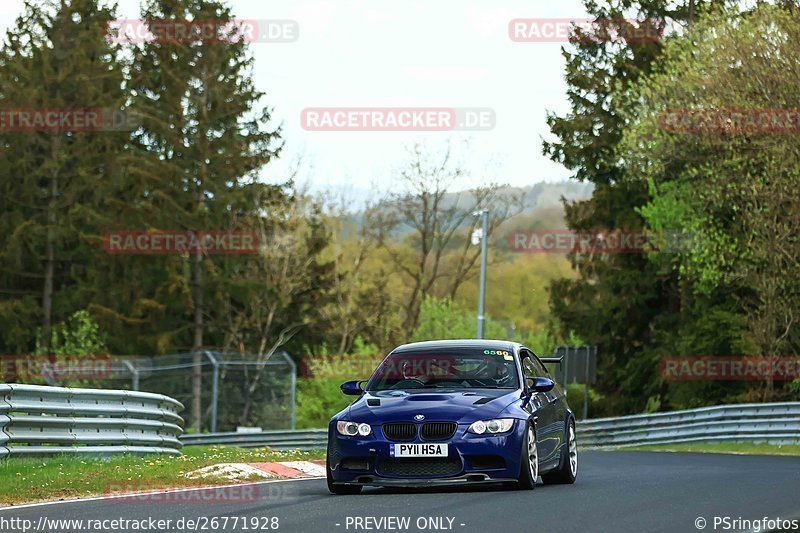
[(205, 142), (56, 57)]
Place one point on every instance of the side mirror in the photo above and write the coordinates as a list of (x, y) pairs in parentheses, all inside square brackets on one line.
[(540, 384), (352, 388)]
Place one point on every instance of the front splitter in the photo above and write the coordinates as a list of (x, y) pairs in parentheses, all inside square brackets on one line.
[(468, 479)]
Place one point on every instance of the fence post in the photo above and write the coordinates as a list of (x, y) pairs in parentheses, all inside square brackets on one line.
[(134, 374), (288, 359), (214, 389), (586, 386)]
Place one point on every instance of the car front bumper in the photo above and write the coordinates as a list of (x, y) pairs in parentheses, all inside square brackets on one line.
[(471, 459)]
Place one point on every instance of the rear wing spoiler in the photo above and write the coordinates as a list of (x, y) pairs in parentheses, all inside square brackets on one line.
[(554, 360)]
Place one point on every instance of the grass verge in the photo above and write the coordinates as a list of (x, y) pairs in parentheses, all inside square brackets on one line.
[(26, 480), (724, 447)]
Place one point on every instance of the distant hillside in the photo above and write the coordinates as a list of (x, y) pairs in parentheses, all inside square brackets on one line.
[(536, 197), (547, 195), (541, 203)]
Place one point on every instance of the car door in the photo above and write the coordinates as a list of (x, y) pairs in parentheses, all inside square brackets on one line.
[(549, 428)]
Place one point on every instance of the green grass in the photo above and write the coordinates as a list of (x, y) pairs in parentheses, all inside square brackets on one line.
[(24, 480), (723, 447)]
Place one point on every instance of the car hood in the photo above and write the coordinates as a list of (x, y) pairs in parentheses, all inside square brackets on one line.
[(464, 406)]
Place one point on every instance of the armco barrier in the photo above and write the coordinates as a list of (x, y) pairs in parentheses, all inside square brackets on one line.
[(775, 423), (38, 420), (303, 439)]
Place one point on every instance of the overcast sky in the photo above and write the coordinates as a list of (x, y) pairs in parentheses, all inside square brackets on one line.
[(407, 53)]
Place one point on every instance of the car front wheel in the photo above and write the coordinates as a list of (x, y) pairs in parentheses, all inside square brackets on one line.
[(529, 463), (568, 470)]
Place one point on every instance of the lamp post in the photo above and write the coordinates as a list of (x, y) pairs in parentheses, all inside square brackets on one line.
[(480, 236)]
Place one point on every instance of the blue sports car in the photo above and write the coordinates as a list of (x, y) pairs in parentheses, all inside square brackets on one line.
[(452, 412)]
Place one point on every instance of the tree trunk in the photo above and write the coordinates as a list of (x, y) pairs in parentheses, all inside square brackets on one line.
[(197, 264), (50, 253)]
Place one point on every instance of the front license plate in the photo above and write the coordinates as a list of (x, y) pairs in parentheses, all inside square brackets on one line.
[(418, 450)]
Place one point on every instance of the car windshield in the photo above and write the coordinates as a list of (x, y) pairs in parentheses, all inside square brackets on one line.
[(484, 369)]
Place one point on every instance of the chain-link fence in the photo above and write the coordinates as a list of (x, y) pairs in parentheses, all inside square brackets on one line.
[(235, 391)]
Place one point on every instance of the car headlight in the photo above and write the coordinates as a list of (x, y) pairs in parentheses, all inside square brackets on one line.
[(351, 429), (491, 427)]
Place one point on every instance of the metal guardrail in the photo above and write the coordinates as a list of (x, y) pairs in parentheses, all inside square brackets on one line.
[(36, 420), (775, 423), (303, 439)]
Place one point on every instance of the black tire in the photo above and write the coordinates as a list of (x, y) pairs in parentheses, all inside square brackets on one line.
[(340, 489), (567, 471), (527, 478)]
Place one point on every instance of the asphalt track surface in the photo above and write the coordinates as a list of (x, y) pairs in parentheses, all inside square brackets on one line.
[(615, 491)]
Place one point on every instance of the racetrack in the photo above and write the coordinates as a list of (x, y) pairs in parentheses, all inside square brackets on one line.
[(615, 491)]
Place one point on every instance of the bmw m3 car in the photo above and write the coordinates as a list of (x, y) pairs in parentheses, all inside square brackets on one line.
[(453, 412)]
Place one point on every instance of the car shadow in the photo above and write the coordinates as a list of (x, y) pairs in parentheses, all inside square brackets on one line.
[(452, 489), (442, 489)]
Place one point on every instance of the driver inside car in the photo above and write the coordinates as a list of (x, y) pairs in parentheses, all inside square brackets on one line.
[(416, 372), (500, 374)]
